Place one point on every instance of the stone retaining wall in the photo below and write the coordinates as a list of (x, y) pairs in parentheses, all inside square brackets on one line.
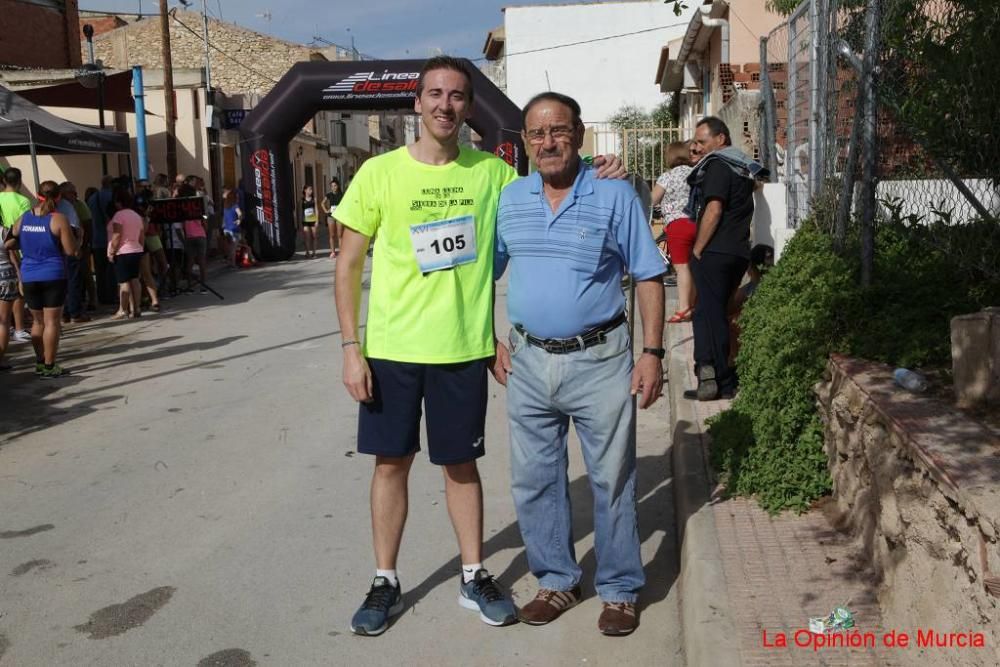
[(917, 481)]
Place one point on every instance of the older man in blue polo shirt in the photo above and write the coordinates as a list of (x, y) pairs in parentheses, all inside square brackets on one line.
[(569, 239)]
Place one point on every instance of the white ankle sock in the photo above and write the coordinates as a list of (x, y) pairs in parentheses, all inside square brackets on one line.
[(469, 571), (388, 574)]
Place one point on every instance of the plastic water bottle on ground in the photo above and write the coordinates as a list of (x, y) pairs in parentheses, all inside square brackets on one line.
[(910, 380)]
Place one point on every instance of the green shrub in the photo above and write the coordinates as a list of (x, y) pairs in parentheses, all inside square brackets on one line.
[(770, 443), (795, 319)]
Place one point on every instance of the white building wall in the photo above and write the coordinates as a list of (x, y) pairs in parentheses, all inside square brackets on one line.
[(601, 75)]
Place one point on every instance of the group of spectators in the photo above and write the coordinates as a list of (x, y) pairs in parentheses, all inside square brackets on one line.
[(61, 256)]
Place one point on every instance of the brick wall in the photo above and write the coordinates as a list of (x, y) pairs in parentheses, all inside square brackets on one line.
[(257, 61), (25, 24)]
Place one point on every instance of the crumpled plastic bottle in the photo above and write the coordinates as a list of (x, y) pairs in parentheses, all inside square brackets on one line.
[(910, 380)]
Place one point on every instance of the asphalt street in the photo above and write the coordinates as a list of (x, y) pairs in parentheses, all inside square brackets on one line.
[(190, 495)]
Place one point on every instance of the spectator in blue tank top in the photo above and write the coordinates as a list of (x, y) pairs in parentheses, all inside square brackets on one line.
[(45, 239)]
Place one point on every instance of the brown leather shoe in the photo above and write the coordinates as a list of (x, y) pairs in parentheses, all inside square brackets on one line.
[(618, 618), (548, 605)]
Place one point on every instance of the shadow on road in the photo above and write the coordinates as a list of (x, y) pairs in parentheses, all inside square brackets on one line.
[(46, 397), (655, 490)]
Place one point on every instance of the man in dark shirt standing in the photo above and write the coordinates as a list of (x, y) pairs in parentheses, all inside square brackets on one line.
[(722, 185)]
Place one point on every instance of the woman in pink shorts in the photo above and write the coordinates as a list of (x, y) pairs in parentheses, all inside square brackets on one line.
[(671, 192)]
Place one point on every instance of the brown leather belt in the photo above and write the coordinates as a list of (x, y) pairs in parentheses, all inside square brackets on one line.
[(588, 338)]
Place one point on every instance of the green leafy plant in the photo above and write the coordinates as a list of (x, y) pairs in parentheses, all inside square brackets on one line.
[(783, 6), (679, 6), (937, 78)]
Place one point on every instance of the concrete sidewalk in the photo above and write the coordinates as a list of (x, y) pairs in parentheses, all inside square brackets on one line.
[(744, 572)]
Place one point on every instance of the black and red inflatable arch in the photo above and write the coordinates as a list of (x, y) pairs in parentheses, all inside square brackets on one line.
[(357, 87)]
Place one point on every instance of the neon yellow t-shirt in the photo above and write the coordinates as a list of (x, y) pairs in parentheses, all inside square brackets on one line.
[(415, 313), (12, 206)]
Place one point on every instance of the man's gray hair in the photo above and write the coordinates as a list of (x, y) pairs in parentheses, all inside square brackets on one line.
[(550, 96)]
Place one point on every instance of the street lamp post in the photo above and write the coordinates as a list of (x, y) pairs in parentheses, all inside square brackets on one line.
[(98, 70)]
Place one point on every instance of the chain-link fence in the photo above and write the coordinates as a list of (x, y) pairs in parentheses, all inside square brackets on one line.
[(888, 101), (799, 150), (930, 86)]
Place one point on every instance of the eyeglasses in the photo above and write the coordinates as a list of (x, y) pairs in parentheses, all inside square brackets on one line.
[(558, 133)]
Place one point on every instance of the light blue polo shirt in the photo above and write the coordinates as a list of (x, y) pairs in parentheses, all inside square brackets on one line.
[(566, 267)]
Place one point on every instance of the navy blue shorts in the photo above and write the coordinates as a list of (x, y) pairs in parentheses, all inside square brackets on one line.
[(454, 396)]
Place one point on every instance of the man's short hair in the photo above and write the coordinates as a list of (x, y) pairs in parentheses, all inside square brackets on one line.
[(12, 177), (549, 96), (716, 126), (444, 62)]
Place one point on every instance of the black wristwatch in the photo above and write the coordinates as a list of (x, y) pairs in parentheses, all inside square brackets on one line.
[(657, 352)]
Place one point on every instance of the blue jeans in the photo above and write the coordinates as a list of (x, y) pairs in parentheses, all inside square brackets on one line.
[(591, 387)]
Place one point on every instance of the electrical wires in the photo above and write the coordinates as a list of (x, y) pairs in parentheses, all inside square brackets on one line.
[(589, 41)]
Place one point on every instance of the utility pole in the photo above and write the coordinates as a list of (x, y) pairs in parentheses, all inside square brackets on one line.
[(168, 91), (208, 58), (214, 172)]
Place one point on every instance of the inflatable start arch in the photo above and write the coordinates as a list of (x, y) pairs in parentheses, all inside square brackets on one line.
[(356, 87)]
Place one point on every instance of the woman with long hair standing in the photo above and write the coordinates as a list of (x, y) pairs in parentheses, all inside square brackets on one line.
[(45, 239), (671, 193), (309, 219), (125, 238), (329, 206)]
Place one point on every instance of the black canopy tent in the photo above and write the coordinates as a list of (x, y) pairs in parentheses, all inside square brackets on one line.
[(27, 129)]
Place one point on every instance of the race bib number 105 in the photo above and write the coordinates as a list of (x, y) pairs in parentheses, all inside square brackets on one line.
[(444, 243)]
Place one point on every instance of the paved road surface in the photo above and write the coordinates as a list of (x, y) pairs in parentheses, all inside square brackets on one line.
[(191, 493)]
